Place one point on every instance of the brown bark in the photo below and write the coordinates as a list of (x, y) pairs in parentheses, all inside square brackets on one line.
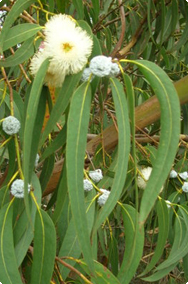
[(145, 114)]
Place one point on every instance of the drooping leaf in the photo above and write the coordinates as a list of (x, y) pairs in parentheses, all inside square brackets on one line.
[(78, 4), (70, 245), (17, 8), (23, 53), (123, 151), (170, 130), (61, 104), (76, 143), (20, 33), (23, 241), (103, 275), (8, 267), (44, 249), (30, 125), (163, 220), (134, 242)]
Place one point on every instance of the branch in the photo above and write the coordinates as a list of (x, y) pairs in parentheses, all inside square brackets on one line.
[(145, 114), (120, 41)]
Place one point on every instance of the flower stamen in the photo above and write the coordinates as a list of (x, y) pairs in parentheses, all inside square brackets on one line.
[(67, 47)]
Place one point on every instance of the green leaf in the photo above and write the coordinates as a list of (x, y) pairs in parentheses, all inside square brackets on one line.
[(123, 151), (18, 7), (96, 8), (61, 104), (185, 265), (47, 171), (44, 249), (78, 4), (103, 275), (163, 220), (84, 25), (134, 239), (23, 224), (30, 125), (113, 255), (8, 267), (182, 40), (181, 249), (4, 195), (20, 33), (12, 157), (159, 274), (61, 195), (70, 245), (170, 130), (76, 143), (22, 54), (57, 143)]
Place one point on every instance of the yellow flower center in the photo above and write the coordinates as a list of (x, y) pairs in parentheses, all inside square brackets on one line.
[(67, 47)]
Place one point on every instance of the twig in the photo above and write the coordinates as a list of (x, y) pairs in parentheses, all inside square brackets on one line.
[(10, 90), (95, 28), (21, 67), (135, 37), (73, 269), (120, 41)]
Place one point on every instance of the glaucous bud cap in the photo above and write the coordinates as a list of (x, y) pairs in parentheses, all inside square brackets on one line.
[(168, 203), (103, 197), (100, 65), (96, 175), (11, 125), (87, 185), (114, 69), (185, 186), (86, 74), (173, 174), (183, 175), (17, 188)]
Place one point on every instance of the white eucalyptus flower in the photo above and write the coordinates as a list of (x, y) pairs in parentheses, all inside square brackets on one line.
[(68, 45), (96, 175), (87, 185), (100, 65), (103, 197), (185, 186), (51, 78), (173, 174), (142, 179), (11, 125), (183, 175), (17, 188)]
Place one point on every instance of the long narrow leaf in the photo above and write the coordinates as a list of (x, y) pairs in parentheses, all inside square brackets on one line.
[(20, 33), (61, 104), (8, 267), (134, 242), (44, 249), (22, 54), (123, 151), (163, 219), (18, 7), (30, 124), (170, 130), (76, 143)]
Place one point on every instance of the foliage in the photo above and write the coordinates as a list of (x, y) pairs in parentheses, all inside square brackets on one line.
[(59, 233)]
